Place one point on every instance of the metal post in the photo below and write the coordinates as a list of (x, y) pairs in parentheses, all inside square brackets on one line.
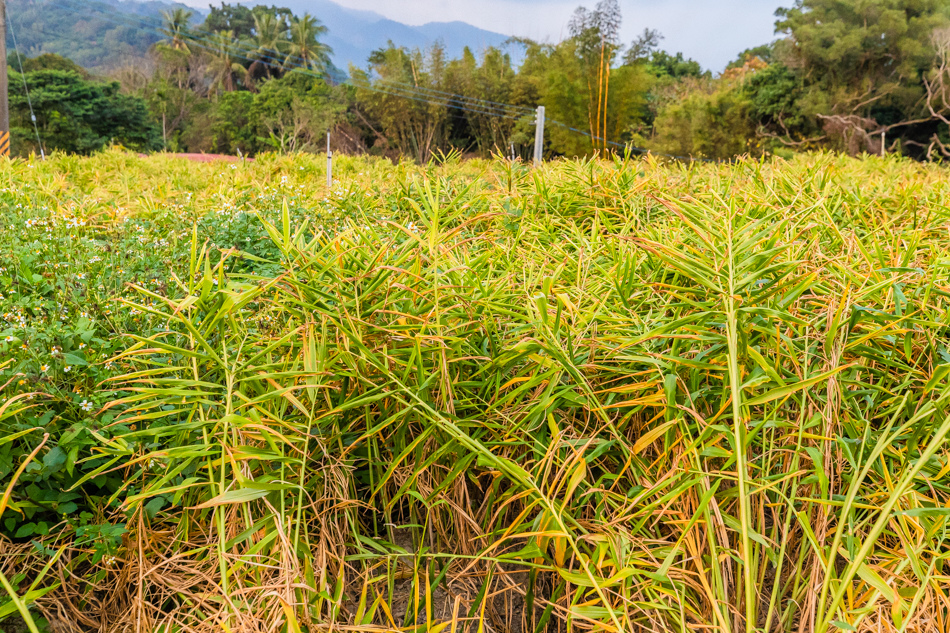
[(539, 136), (883, 143), (329, 164), (4, 103)]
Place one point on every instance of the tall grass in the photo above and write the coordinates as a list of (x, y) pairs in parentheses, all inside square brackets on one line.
[(606, 396)]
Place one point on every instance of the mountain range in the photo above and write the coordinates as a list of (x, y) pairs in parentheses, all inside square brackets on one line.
[(354, 34), (104, 34)]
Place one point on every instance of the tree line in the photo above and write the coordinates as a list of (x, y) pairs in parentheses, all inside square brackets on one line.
[(868, 76)]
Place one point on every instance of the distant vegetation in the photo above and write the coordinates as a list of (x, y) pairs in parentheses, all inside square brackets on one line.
[(75, 113), (88, 32), (255, 79)]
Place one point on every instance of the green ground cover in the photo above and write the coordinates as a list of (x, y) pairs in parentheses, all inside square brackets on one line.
[(607, 395)]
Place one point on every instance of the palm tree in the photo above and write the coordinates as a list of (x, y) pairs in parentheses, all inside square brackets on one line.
[(177, 27), (270, 36), (225, 70), (304, 48)]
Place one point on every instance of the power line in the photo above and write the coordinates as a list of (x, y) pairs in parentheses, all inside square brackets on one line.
[(322, 76), (215, 43), (460, 116), (398, 89), (240, 52), (26, 89)]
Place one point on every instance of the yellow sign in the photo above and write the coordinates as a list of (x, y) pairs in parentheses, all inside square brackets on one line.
[(5, 144)]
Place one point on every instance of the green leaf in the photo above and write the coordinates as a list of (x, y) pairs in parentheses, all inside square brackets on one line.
[(926, 512), (74, 360), (25, 530), (152, 507), (239, 495), (788, 390)]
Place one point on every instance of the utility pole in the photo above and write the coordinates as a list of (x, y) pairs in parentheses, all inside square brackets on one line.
[(4, 88), (539, 135)]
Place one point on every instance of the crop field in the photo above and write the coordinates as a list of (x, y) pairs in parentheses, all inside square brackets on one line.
[(474, 396)]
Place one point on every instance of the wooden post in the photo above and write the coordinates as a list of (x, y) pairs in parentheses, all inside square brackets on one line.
[(539, 135), (4, 96)]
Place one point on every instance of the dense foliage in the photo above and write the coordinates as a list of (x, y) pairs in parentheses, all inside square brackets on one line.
[(76, 115), (851, 76), (85, 31), (604, 395)]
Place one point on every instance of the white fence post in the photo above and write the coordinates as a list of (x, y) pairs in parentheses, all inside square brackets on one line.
[(329, 164), (539, 136)]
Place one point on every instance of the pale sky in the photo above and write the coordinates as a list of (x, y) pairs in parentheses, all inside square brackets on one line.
[(710, 31)]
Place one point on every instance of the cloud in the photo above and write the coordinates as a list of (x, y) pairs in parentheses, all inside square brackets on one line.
[(711, 32)]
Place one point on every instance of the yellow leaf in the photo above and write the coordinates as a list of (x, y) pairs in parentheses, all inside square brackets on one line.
[(650, 436)]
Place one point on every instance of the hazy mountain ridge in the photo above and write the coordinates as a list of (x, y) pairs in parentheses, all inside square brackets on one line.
[(112, 36), (354, 34)]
